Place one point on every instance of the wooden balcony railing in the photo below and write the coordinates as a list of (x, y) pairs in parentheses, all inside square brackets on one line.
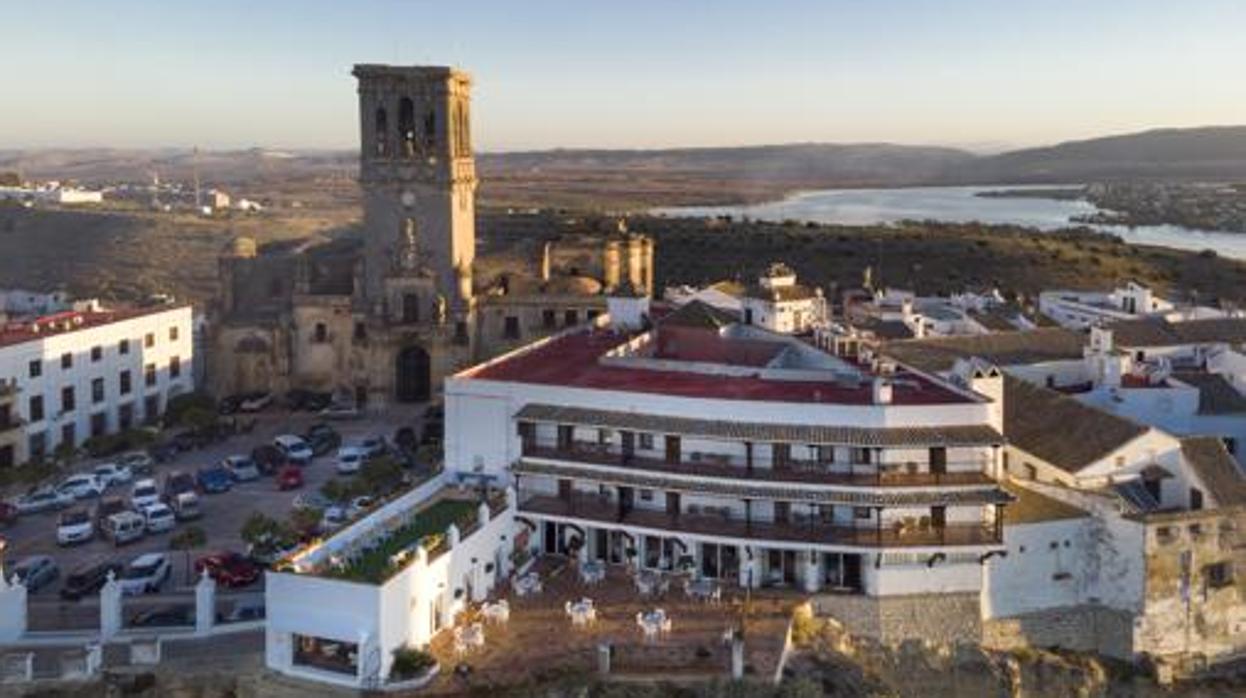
[(793, 471), (607, 511)]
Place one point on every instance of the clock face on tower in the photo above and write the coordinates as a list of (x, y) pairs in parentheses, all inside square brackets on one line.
[(408, 199)]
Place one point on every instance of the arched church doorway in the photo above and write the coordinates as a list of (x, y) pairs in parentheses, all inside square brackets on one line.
[(414, 376)]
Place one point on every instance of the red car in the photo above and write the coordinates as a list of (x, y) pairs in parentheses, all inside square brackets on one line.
[(289, 478), (228, 569)]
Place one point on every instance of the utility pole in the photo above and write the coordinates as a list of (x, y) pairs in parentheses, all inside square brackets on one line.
[(194, 165)]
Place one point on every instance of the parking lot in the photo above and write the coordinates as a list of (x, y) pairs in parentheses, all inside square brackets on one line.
[(222, 514)]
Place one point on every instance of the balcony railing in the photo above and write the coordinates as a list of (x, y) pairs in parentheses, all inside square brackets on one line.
[(891, 475), (606, 511)]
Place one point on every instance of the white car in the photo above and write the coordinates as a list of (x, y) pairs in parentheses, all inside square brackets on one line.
[(144, 494), (333, 519), (159, 517), (145, 574), (113, 474), (74, 526), (43, 499), (137, 462), (359, 505), (340, 411), (350, 459), (294, 448), (81, 486), (242, 468)]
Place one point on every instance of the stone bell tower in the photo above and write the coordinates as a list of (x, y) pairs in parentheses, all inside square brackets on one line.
[(419, 182)]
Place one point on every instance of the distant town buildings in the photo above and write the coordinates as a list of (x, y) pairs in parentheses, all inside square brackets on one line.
[(51, 192)]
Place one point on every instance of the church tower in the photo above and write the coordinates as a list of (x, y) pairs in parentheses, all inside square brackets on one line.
[(419, 180)]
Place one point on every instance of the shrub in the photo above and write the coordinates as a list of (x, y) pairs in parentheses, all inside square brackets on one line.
[(410, 662), (183, 407)]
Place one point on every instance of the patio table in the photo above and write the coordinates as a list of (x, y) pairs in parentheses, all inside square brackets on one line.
[(592, 572), (528, 584)]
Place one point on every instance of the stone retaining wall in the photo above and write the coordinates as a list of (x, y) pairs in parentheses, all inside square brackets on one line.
[(1081, 628), (944, 618)]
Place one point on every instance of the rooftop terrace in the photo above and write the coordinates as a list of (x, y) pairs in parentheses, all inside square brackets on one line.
[(574, 361)]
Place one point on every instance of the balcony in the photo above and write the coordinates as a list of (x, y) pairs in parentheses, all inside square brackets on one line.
[(793, 471), (606, 511)]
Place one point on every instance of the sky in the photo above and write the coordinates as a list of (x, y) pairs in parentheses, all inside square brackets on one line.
[(983, 74)]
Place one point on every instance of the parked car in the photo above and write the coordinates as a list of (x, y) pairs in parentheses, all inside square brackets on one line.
[(312, 500), (82, 486), (176, 483), (268, 458), (143, 494), (289, 478), (294, 449), (244, 610), (106, 507), (159, 517), (162, 453), (138, 463), (145, 574), (74, 526), (124, 527), (241, 468), (333, 518), (229, 569), (359, 505), (89, 577), (186, 507), (299, 399), (350, 459), (255, 402), (214, 480), (43, 499), (322, 438), (373, 446), (163, 616), (340, 410), (266, 552), (8, 513), (113, 474), (36, 572)]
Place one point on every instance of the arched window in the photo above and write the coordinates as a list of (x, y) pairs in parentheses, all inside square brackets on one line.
[(381, 132), (430, 128), (406, 126)]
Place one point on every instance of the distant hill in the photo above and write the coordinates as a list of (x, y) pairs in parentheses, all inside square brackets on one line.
[(1214, 152)]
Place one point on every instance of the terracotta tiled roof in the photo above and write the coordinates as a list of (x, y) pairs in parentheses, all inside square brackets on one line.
[(1213, 464), (890, 437), (1161, 333), (1059, 429), (753, 489), (1000, 348)]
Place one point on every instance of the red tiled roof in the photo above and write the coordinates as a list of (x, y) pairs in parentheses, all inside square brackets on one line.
[(572, 361), (52, 325)]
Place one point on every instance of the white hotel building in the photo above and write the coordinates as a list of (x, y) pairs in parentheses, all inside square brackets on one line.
[(739, 454), (74, 375)]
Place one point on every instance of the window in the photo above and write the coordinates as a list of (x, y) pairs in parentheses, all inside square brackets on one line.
[(37, 447), (861, 512), (149, 340), (123, 347), (67, 398), (173, 333), (149, 375), (592, 315), (36, 408), (460, 332), (861, 456), (646, 495), (570, 317), (175, 366), (151, 408), (825, 455), (361, 332), (1219, 574), (410, 307), (36, 368), (67, 360), (1196, 499), (125, 382), (1230, 443), (406, 126), (97, 353), (99, 423), (549, 319), (125, 416), (97, 390), (381, 132), (646, 441), (68, 435), (321, 333), (511, 329)]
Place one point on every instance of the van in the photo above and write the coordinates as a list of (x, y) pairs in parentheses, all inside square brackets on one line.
[(125, 527), (294, 448), (186, 506)]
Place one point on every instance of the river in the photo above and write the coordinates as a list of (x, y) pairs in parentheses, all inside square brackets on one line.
[(960, 205)]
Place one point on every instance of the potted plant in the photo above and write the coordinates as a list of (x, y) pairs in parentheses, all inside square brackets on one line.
[(412, 667)]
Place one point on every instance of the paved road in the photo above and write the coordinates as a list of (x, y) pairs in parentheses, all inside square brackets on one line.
[(223, 514)]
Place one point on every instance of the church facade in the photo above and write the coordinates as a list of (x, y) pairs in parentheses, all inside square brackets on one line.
[(386, 316)]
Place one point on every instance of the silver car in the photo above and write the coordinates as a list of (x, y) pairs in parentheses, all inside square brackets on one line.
[(36, 572)]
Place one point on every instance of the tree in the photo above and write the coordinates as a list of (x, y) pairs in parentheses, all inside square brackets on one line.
[(188, 539), (380, 475)]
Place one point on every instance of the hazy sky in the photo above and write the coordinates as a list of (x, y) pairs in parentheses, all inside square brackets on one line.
[(624, 73)]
